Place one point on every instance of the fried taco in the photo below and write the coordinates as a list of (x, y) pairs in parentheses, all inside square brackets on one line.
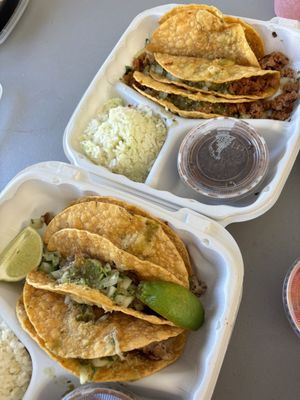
[(92, 270), (178, 243), (138, 235), (218, 77), (201, 33), (136, 364), (191, 105), (252, 36), (73, 330)]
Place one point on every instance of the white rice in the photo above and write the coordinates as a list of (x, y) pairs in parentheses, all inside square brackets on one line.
[(15, 365), (124, 139)]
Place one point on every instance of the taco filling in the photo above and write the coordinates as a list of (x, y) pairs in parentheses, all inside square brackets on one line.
[(185, 103), (119, 286), (253, 85)]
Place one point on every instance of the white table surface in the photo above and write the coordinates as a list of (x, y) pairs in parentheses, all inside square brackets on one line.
[(45, 66)]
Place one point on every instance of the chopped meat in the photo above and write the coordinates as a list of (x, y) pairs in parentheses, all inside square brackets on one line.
[(287, 72), (138, 64), (284, 100), (291, 87), (158, 350), (47, 217), (251, 86), (196, 286), (275, 61), (256, 110)]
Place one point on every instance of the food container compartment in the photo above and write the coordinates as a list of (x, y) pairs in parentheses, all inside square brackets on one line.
[(163, 181), (215, 256)]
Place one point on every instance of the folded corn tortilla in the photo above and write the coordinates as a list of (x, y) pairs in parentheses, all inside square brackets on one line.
[(219, 77), (136, 364), (138, 235), (70, 242), (201, 33), (73, 330), (131, 208)]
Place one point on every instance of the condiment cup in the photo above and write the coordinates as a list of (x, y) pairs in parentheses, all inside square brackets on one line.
[(223, 158)]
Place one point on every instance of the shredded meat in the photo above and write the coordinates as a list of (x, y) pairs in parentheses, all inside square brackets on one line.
[(275, 61), (47, 217), (158, 350), (196, 286)]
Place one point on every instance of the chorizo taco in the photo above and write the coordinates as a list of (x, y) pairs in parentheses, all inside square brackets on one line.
[(252, 36), (198, 32), (218, 77)]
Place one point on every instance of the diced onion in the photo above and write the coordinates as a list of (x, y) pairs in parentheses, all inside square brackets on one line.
[(122, 300)]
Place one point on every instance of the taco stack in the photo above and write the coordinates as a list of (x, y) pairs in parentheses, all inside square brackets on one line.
[(80, 305), (200, 63)]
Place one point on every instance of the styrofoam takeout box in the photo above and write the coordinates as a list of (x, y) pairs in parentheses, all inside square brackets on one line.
[(215, 255), (216, 259)]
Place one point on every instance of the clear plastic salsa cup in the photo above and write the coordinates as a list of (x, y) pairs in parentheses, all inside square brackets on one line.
[(96, 392), (223, 158)]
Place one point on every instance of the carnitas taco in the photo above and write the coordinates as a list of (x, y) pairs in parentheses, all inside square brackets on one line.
[(91, 269), (132, 365), (138, 235), (133, 209)]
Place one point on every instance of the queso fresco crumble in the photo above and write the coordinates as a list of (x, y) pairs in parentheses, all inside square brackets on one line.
[(15, 365), (124, 139)]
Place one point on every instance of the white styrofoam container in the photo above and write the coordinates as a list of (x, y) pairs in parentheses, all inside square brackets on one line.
[(163, 182), (215, 255)]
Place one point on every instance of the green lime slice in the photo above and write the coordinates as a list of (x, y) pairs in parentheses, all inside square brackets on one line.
[(173, 302), (21, 255)]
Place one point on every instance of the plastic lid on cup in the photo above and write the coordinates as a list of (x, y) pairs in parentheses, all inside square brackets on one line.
[(291, 296), (223, 158), (96, 392)]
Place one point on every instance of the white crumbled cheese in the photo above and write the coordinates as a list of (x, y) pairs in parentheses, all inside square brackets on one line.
[(15, 365), (125, 139)]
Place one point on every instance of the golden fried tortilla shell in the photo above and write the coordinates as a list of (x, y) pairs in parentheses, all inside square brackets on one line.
[(73, 241), (253, 38), (172, 108), (190, 7), (242, 98), (151, 83), (180, 246), (56, 323), (137, 235), (135, 366), (194, 69), (199, 33)]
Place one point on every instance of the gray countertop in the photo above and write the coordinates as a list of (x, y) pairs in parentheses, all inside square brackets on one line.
[(45, 66)]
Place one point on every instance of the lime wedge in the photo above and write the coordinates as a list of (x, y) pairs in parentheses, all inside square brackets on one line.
[(173, 302), (21, 255)]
